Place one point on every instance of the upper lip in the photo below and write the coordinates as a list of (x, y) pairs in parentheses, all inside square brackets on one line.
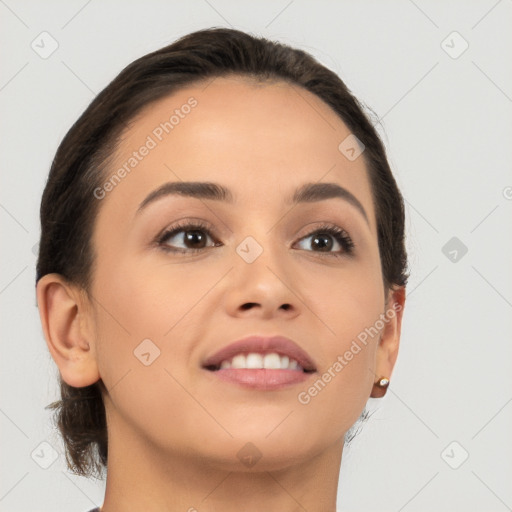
[(262, 344)]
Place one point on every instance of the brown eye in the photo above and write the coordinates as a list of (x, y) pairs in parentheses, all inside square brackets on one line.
[(186, 238), (192, 239), (324, 239)]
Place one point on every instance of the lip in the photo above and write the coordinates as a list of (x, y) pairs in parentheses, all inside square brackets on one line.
[(262, 344), (261, 379)]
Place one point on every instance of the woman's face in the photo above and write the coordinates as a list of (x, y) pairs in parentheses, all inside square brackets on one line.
[(255, 266)]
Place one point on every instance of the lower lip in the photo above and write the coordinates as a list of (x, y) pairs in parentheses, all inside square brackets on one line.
[(262, 379)]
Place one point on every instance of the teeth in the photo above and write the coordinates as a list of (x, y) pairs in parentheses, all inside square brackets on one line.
[(271, 361)]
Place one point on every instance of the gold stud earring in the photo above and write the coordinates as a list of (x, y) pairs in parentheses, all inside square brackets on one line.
[(383, 382)]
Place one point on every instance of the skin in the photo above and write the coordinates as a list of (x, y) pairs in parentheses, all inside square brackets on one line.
[(175, 429)]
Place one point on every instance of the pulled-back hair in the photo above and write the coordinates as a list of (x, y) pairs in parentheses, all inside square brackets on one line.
[(69, 206)]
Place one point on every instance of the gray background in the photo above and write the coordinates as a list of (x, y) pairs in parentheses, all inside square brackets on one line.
[(445, 118)]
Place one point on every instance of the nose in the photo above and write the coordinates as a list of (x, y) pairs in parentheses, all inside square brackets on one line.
[(263, 288)]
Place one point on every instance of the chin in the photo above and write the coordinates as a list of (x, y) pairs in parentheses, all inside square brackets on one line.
[(255, 450)]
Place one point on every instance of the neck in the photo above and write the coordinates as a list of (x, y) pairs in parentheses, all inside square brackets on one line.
[(143, 477)]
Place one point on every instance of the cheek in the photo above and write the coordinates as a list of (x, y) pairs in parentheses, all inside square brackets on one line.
[(348, 305), (347, 339), (137, 361), (127, 315), (137, 301), (346, 300), (149, 298)]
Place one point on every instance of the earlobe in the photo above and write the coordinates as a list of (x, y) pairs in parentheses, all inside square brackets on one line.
[(387, 349), (65, 324)]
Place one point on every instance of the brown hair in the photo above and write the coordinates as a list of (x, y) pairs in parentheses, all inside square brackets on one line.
[(69, 207)]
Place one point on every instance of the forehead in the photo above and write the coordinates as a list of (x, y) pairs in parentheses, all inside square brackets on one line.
[(260, 139)]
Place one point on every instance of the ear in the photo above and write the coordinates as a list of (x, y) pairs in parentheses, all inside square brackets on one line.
[(67, 326), (387, 349)]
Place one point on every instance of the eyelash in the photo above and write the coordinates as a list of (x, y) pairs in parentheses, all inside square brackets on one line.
[(340, 235)]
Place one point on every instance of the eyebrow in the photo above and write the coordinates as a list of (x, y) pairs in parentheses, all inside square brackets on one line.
[(307, 193)]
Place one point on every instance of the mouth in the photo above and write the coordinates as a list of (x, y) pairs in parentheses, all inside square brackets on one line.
[(260, 352), (261, 363)]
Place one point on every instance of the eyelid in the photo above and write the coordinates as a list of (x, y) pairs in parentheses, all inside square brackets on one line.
[(183, 226)]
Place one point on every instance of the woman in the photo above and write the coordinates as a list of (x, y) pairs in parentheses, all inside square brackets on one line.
[(221, 278)]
